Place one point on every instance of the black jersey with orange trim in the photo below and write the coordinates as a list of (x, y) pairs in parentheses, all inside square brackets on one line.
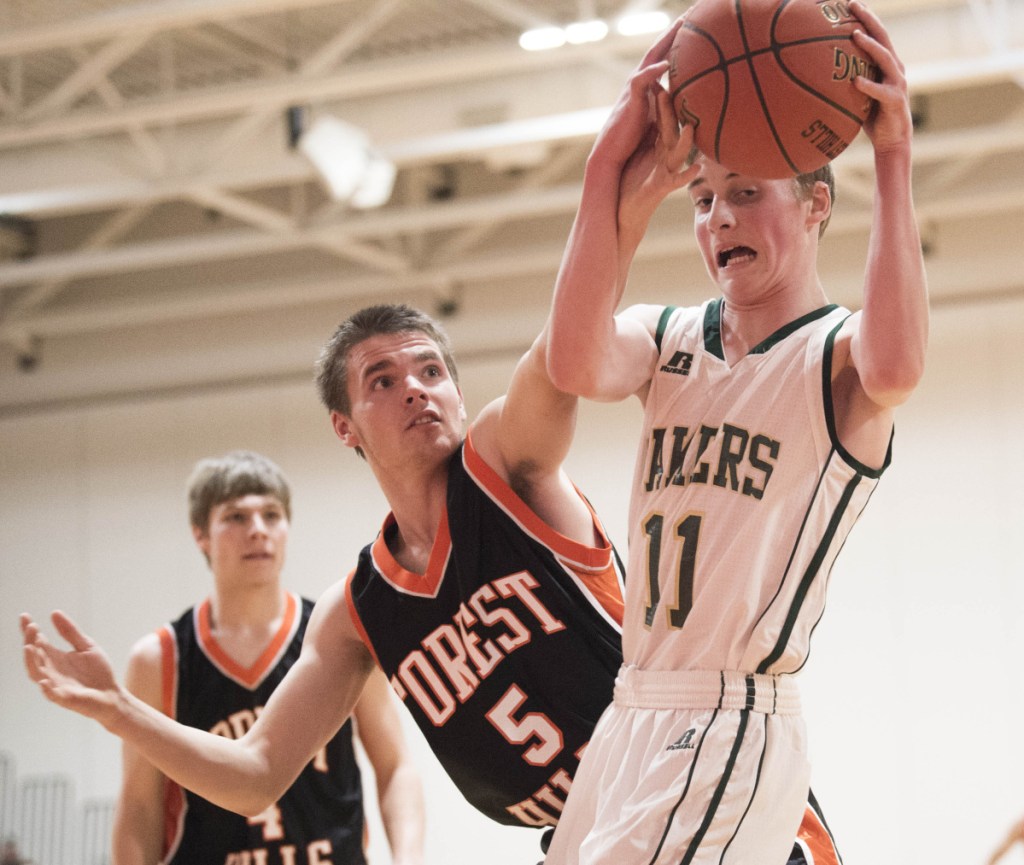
[(505, 651), (319, 819)]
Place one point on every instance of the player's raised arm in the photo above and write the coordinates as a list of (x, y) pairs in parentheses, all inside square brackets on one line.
[(244, 775), (640, 156), (889, 343)]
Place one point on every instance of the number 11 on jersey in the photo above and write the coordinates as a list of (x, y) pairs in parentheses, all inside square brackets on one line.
[(687, 531)]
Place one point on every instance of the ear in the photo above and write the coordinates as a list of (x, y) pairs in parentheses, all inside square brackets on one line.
[(202, 539), (344, 429), (821, 204)]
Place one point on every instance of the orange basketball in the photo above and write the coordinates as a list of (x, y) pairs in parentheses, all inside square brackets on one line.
[(768, 84)]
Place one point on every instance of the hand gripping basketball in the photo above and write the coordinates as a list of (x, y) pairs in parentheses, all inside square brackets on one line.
[(768, 84)]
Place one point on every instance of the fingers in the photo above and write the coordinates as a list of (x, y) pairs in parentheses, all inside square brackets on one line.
[(665, 118), (872, 24), (659, 50), (31, 657), (69, 631), (676, 141), (646, 77)]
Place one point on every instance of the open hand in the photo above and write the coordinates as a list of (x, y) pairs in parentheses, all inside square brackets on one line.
[(80, 679)]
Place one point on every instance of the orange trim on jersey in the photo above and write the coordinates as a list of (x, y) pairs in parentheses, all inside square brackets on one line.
[(607, 591), (252, 675), (592, 558), (424, 585), (817, 840), (174, 796), (594, 566), (358, 622), (168, 671)]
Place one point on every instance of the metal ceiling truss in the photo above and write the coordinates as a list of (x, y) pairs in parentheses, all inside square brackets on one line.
[(104, 137)]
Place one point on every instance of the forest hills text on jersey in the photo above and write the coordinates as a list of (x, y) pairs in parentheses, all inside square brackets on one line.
[(727, 456), (454, 658)]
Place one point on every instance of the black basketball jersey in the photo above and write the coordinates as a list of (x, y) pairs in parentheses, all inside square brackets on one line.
[(505, 650), (318, 820)]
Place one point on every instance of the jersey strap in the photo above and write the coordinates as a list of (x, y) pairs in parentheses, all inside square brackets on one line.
[(659, 332)]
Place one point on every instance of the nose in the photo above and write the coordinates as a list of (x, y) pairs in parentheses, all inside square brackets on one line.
[(414, 390), (720, 215), (258, 526)]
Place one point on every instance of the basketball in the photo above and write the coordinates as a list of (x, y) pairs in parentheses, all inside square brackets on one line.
[(767, 85)]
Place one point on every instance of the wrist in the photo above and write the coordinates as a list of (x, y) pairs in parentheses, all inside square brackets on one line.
[(894, 160), (115, 719)]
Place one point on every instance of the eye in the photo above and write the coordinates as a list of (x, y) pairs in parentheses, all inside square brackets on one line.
[(381, 382), (272, 516), (434, 371), (701, 202)]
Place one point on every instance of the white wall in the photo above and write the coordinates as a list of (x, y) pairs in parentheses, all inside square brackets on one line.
[(910, 693)]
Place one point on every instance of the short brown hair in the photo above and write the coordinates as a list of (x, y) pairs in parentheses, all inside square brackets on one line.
[(332, 366), (239, 473)]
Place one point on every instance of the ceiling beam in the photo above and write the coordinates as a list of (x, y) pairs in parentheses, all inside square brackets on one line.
[(159, 15), (529, 261), (410, 74)]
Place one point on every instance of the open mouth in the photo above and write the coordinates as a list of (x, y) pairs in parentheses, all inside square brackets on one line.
[(735, 255), (427, 417)]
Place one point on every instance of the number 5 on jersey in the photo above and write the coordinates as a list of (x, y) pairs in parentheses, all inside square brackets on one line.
[(532, 726)]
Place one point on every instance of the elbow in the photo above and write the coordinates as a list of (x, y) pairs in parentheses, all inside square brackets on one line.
[(259, 794), (255, 802), (893, 384), (572, 375)]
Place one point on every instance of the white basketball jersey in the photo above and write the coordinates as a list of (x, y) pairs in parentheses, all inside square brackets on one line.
[(742, 498)]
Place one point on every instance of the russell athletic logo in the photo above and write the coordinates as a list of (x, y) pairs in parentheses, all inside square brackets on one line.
[(679, 364), (684, 742)]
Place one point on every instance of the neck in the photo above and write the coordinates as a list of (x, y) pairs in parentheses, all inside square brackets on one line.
[(746, 324), (247, 606), (417, 501)]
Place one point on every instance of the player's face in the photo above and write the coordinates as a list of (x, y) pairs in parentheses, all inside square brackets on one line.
[(405, 407), (246, 538), (756, 236)]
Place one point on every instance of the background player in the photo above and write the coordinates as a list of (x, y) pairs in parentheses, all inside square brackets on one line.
[(215, 667), (491, 595), (767, 422)]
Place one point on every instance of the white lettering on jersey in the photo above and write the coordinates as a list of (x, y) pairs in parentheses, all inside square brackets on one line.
[(454, 658)]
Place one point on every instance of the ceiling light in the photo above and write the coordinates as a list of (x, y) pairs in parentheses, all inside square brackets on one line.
[(642, 22), (542, 38), (347, 163), (580, 32), (376, 185)]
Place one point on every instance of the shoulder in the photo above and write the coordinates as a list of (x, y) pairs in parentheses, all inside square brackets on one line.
[(647, 314), (144, 676), (332, 620)]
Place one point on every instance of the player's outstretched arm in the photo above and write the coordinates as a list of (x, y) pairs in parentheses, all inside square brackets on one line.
[(1013, 837), (889, 344), (640, 156), (399, 789), (243, 775)]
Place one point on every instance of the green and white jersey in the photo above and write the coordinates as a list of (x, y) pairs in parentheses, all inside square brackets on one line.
[(742, 498)]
